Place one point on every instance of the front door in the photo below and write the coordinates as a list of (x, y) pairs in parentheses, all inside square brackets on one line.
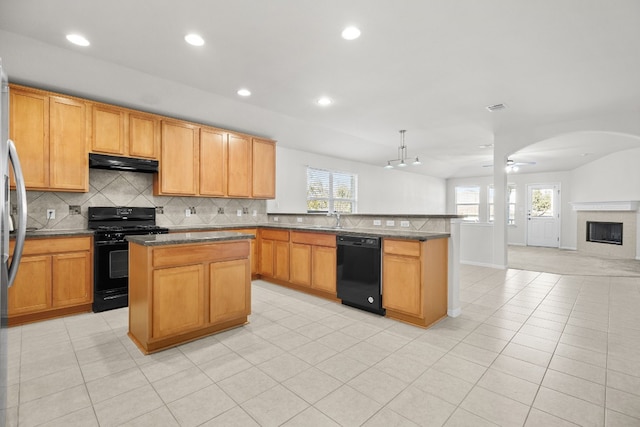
[(543, 215)]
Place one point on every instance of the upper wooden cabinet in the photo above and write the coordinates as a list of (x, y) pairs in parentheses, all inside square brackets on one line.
[(50, 133), (225, 164), (213, 162), (264, 169), (179, 160), (239, 166), (124, 132)]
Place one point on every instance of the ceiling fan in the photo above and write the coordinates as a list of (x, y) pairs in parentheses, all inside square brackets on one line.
[(512, 165)]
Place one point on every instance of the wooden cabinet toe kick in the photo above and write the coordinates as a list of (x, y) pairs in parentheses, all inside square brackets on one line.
[(155, 345)]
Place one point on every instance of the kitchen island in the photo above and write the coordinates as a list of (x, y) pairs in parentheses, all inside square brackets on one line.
[(184, 286)]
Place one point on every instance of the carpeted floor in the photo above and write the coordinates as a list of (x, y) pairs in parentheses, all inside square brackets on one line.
[(560, 261)]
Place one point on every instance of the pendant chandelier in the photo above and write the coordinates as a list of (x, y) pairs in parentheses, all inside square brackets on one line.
[(402, 155)]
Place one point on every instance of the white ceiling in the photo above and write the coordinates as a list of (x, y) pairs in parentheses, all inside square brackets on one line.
[(429, 67)]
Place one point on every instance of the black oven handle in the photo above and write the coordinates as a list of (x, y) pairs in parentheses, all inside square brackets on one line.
[(112, 243)]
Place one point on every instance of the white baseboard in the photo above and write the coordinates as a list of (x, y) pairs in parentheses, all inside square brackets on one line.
[(516, 244), (569, 248), (484, 264), (454, 312)]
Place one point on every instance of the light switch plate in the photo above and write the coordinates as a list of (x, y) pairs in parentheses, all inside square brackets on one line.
[(404, 223), (377, 222), (298, 219), (390, 223), (255, 212), (187, 212), (239, 212)]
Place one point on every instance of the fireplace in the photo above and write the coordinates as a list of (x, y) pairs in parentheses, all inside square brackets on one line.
[(610, 229), (604, 232)]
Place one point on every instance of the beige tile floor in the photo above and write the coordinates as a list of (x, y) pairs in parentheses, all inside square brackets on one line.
[(530, 349)]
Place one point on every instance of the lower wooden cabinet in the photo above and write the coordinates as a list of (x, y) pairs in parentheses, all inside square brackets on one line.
[(274, 254), (228, 302), (182, 292), (414, 280), (178, 300), (55, 278), (313, 261)]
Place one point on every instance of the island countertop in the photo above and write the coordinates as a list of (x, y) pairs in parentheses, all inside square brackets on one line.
[(183, 238)]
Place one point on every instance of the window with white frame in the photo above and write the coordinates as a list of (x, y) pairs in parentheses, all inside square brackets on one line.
[(511, 203), (468, 202), (331, 191)]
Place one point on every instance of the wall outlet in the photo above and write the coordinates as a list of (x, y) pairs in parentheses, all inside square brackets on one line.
[(298, 219), (220, 210), (404, 224), (74, 210), (159, 209), (193, 210), (245, 211), (390, 223), (255, 212), (187, 212), (239, 212), (377, 222), (51, 214), (276, 219)]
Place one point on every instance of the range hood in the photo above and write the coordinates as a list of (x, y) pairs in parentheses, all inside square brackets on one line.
[(131, 164)]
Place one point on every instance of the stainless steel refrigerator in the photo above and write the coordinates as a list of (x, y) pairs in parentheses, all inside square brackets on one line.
[(8, 268)]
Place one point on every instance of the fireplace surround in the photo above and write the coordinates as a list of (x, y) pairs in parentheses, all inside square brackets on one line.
[(614, 232)]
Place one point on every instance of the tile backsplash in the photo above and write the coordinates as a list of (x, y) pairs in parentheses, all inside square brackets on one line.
[(114, 188)]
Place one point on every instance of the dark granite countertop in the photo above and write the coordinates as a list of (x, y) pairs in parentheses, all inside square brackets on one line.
[(44, 233), (205, 229), (365, 232), (183, 238)]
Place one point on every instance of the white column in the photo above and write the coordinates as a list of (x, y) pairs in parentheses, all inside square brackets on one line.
[(499, 206), (453, 304)]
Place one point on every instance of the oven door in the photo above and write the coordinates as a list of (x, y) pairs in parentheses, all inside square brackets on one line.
[(111, 267)]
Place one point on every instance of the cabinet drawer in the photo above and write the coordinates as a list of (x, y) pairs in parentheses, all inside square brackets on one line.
[(281, 235), (316, 239), (187, 254), (402, 247), (54, 245)]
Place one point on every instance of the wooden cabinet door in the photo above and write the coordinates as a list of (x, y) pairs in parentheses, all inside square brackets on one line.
[(179, 158), (29, 129), (213, 162), (300, 264), (68, 160), (239, 166), (264, 169), (230, 290), (143, 135), (402, 285), (178, 300), (266, 257), (31, 291), (72, 282), (323, 274), (281, 260), (107, 130)]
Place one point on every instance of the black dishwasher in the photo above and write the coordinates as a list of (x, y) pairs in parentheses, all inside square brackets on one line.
[(358, 273)]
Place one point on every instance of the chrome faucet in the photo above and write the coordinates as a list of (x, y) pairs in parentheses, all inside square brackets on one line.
[(337, 215)]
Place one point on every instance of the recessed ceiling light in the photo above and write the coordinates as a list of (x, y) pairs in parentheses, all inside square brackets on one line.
[(194, 39), (585, 154), (244, 92), (325, 101), (350, 33), (77, 39)]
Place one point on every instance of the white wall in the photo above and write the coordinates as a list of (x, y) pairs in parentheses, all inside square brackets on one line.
[(612, 178), (477, 253), (380, 191)]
